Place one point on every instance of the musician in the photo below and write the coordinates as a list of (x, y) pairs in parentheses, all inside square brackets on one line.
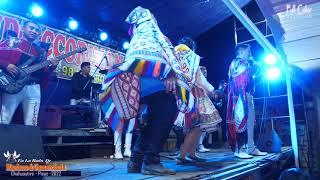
[(81, 84), (29, 96), (240, 108)]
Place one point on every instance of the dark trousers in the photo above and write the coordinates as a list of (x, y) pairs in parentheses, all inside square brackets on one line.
[(162, 110)]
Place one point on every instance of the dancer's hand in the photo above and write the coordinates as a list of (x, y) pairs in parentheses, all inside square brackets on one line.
[(170, 84)]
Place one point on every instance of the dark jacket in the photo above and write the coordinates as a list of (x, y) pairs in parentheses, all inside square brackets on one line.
[(78, 83)]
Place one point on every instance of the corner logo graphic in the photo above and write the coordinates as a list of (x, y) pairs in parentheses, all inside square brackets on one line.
[(11, 158), (298, 10)]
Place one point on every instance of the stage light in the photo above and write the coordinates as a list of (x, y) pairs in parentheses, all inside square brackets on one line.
[(73, 24), (125, 45), (36, 10), (273, 73), (103, 36), (270, 59)]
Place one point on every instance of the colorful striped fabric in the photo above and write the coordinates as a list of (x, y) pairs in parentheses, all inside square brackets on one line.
[(110, 76), (109, 109), (182, 94), (149, 69), (120, 100), (114, 120), (185, 99)]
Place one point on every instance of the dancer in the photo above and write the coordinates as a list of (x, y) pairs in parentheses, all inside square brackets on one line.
[(153, 72), (144, 78), (204, 117), (240, 110)]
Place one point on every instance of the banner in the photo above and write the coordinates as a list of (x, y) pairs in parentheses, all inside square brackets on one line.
[(63, 42)]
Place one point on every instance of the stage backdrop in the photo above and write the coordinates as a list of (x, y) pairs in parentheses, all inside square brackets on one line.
[(63, 42)]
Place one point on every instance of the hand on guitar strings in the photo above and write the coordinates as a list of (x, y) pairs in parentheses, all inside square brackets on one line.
[(12, 69)]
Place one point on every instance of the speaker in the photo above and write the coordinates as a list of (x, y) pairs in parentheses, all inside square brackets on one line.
[(270, 142), (24, 140)]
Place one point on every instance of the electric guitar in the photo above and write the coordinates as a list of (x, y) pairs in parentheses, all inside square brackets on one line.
[(14, 84)]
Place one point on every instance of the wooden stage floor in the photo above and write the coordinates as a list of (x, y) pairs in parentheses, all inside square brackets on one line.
[(221, 165)]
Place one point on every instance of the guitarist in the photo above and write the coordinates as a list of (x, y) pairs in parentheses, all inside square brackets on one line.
[(29, 96)]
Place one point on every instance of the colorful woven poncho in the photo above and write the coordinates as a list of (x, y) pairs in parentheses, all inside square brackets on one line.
[(150, 54)]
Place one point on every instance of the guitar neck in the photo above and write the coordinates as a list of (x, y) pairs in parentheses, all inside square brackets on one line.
[(46, 63), (36, 67)]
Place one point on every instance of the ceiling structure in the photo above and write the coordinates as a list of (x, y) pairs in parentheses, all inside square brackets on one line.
[(176, 18)]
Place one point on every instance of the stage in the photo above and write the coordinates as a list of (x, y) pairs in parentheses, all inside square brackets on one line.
[(221, 165)]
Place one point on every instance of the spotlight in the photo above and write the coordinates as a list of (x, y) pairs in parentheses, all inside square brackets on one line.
[(73, 24), (36, 10), (125, 45), (103, 36), (273, 73), (270, 59)]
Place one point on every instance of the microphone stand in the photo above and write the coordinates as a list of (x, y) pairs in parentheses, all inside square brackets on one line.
[(90, 79)]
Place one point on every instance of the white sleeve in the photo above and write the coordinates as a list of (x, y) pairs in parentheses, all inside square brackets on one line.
[(202, 82)]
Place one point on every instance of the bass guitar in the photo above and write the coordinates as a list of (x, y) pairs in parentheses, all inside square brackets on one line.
[(14, 84)]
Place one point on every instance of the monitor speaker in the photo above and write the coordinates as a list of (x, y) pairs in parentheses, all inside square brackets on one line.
[(24, 140)]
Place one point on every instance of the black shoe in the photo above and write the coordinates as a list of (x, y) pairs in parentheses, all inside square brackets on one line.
[(196, 158), (156, 169), (184, 161), (134, 167)]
